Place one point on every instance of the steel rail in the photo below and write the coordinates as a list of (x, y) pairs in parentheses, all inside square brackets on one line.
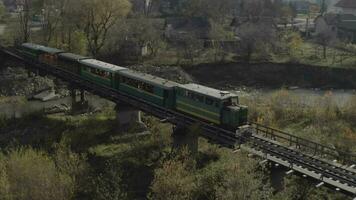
[(313, 164)]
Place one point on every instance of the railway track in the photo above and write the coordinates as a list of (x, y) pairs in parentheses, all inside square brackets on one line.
[(325, 170), (333, 175)]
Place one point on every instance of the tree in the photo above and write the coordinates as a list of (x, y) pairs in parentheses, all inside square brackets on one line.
[(292, 40), (209, 9), (218, 35), (145, 32), (174, 180), (243, 180), (145, 7), (98, 17), (52, 12), (256, 37), (325, 38), (25, 19), (31, 174), (2, 9)]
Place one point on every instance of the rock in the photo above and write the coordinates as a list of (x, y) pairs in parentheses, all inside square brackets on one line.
[(46, 96), (293, 88)]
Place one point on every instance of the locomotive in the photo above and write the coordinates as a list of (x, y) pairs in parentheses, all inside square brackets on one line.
[(221, 108)]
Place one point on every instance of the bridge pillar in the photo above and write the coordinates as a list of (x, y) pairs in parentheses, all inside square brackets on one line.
[(129, 118), (78, 106), (186, 137), (277, 175)]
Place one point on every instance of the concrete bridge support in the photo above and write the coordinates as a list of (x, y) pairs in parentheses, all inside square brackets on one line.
[(78, 106), (186, 137), (129, 119), (277, 175)]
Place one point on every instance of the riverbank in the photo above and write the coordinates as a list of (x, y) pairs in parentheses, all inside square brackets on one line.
[(272, 75)]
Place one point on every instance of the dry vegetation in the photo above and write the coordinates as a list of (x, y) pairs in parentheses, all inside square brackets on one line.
[(323, 121), (84, 158)]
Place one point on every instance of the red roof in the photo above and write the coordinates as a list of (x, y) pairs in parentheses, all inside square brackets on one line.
[(346, 4)]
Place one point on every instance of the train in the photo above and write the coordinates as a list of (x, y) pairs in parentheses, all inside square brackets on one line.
[(214, 106)]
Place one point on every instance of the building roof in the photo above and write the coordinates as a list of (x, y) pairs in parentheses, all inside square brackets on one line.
[(346, 4), (200, 89), (149, 79), (101, 65), (347, 22), (343, 21), (71, 56), (329, 18)]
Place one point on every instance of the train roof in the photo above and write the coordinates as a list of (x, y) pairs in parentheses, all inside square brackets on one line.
[(72, 56), (200, 89), (149, 79), (101, 65), (31, 46), (50, 50), (38, 47)]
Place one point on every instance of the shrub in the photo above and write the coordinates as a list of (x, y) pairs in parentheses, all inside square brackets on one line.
[(173, 181), (26, 173)]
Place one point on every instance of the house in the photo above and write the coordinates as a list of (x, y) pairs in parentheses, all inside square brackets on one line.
[(346, 7), (341, 26), (331, 6), (327, 23)]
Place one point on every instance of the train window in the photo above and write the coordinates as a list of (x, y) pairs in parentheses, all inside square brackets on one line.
[(209, 101), (217, 104), (199, 98), (186, 93)]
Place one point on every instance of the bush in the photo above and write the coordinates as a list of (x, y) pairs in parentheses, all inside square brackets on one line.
[(349, 112), (107, 184), (26, 173), (173, 181)]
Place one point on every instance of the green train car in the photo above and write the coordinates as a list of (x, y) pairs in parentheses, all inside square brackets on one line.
[(41, 53), (70, 62), (147, 87), (208, 104), (30, 50), (100, 72), (218, 107)]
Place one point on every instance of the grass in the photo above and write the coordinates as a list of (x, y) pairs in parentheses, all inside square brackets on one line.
[(312, 54), (323, 121)]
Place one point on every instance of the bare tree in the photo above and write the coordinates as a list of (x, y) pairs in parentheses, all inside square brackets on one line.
[(52, 12), (98, 17), (325, 38), (218, 35), (255, 37), (25, 18)]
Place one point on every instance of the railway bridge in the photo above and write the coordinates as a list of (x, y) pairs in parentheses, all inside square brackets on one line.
[(311, 160)]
